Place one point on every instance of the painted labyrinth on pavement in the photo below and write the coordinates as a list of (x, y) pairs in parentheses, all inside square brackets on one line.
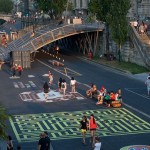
[(29, 84), (65, 125)]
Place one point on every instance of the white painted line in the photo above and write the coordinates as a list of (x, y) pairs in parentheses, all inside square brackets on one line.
[(137, 94), (144, 114), (137, 110), (74, 72), (52, 68)]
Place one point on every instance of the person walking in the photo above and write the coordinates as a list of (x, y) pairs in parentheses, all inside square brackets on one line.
[(147, 82), (9, 143), (64, 87), (73, 84), (47, 138), (19, 68), (59, 84), (92, 128), (46, 90), (50, 78), (84, 128)]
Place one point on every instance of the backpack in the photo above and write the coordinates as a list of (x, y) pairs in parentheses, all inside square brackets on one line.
[(63, 85)]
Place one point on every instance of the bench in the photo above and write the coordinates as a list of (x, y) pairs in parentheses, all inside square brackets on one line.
[(116, 104)]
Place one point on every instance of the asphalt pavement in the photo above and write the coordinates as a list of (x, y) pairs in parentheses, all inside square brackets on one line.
[(31, 115)]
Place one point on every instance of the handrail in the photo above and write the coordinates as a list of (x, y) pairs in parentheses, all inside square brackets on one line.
[(141, 47), (56, 29)]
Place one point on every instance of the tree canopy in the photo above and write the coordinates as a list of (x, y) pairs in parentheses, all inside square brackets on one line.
[(113, 13), (53, 7), (3, 118), (6, 6)]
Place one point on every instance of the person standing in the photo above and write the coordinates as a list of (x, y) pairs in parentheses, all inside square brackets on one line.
[(50, 78), (73, 84), (92, 128), (9, 143), (19, 68), (64, 86), (13, 69), (42, 142), (84, 128), (147, 82), (1, 63), (97, 144), (47, 138), (46, 90)]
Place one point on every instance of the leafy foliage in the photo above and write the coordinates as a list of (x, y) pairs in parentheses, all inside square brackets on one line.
[(113, 13), (6, 6), (3, 118), (117, 20), (54, 7)]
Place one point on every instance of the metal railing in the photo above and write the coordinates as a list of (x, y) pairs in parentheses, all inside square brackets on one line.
[(143, 49), (49, 33), (60, 32)]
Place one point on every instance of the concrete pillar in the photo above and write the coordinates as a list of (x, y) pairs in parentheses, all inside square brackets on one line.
[(104, 41)]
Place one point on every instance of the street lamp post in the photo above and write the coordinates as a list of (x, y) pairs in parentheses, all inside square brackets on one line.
[(66, 12), (137, 7)]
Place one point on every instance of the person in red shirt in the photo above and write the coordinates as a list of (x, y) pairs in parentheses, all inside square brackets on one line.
[(19, 70), (92, 128), (112, 96)]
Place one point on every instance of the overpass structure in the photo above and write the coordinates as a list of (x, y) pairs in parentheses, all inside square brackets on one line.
[(42, 36), (5, 17)]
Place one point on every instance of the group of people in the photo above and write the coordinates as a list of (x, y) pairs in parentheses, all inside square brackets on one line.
[(103, 96), (62, 85), (17, 68), (141, 27), (92, 126)]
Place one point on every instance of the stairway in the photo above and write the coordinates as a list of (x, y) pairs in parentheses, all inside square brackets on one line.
[(142, 45)]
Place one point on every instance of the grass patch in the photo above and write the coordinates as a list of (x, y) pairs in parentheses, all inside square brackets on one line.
[(127, 66)]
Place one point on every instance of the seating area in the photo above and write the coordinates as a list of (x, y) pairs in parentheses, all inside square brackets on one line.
[(103, 97)]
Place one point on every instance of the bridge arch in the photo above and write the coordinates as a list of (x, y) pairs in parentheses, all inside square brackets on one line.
[(43, 37), (5, 17)]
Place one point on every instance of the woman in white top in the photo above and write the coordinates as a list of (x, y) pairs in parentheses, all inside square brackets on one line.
[(97, 144), (73, 84)]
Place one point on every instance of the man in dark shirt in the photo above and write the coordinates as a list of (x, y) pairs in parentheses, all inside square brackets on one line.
[(47, 140), (42, 144)]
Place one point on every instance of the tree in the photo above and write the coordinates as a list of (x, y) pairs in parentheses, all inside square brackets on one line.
[(3, 118), (6, 6), (101, 9), (118, 22), (113, 13), (53, 7)]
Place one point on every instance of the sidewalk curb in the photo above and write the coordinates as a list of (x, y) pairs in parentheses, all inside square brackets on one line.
[(121, 70)]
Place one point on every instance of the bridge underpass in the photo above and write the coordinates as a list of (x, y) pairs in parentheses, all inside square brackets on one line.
[(29, 43)]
